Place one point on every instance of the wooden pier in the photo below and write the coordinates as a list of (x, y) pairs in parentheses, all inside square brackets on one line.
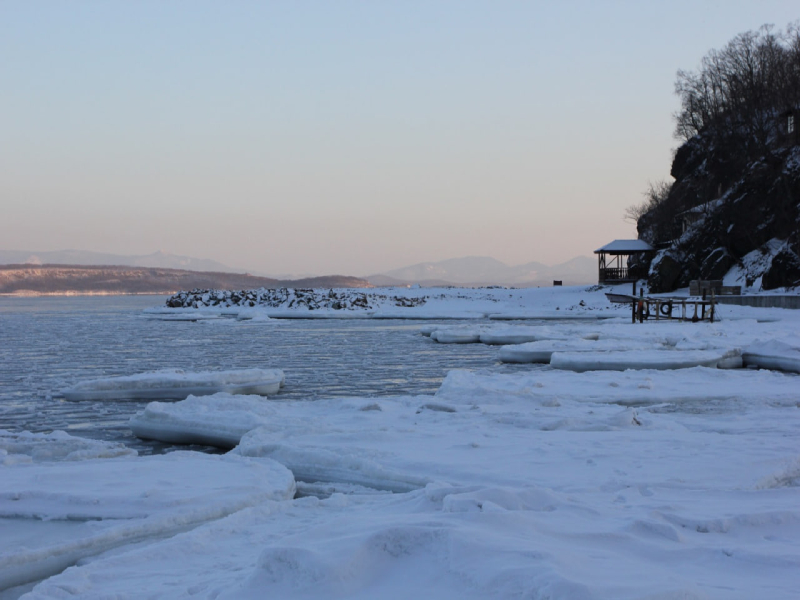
[(645, 308)]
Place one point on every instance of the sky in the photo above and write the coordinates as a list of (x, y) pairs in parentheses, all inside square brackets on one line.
[(343, 137)]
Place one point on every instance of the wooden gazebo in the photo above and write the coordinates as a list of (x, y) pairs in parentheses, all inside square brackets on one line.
[(612, 260)]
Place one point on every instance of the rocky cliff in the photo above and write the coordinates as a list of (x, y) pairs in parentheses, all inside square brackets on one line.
[(727, 215), (732, 211)]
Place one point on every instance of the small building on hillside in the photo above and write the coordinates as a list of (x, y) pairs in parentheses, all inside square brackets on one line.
[(789, 127), (612, 260)]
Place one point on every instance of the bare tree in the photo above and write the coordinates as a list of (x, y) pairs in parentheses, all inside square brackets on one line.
[(654, 196), (738, 90)]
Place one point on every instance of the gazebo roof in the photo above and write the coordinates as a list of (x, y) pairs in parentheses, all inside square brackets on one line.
[(625, 247)]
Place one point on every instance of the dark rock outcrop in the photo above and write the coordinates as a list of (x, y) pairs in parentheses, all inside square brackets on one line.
[(727, 209), (784, 271)]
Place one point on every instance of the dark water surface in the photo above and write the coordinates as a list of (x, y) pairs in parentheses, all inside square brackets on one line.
[(50, 343)]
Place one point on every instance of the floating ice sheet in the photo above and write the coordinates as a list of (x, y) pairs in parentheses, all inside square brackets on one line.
[(177, 384), (635, 359), (218, 420), (698, 386), (457, 335), (773, 354), (541, 351), (27, 447)]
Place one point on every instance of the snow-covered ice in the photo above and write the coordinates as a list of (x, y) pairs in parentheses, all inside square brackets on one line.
[(457, 335), (26, 447), (541, 351), (218, 420), (519, 335), (53, 514), (773, 354), (506, 486), (635, 359), (177, 384), (505, 334), (537, 483)]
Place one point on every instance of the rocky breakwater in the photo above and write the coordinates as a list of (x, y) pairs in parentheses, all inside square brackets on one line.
[(290, 298)]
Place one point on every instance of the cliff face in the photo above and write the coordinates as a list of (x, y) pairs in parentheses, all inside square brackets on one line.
[(732, 211)]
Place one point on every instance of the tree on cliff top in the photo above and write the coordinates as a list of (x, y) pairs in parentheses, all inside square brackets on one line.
[(738, 91), (737, 186), (732, 102)]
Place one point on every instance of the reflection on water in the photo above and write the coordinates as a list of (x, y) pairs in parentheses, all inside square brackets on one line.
[(47, 344)]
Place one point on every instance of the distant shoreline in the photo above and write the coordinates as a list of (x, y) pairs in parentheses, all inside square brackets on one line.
[(102, 280), (35, 294)]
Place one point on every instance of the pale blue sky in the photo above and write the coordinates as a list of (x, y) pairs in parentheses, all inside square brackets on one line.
[(347, 137)]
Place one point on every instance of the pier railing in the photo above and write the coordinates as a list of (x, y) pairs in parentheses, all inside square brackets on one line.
[(645, 308), (614, 274)]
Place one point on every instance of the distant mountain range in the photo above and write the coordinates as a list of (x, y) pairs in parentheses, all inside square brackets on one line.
[(471, 271), (483, 270), (160, 260)]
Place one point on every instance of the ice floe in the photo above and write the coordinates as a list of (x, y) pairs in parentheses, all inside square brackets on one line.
[(541, 351), (177, 384), (457, 335), (217, 420), (495, 336), (27, 447), (773, 354), (635, 359)]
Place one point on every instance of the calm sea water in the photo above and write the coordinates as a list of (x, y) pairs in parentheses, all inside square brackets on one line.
[(49, 343)]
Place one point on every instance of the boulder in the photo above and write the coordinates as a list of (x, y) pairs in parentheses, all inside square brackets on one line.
[(783, 272), (665, 273), (717, 264)]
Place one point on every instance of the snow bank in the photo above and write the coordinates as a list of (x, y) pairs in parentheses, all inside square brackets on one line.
[(177, 384), (54, 514)]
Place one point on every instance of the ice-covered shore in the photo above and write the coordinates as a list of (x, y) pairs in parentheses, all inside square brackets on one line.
[(545, 484)]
